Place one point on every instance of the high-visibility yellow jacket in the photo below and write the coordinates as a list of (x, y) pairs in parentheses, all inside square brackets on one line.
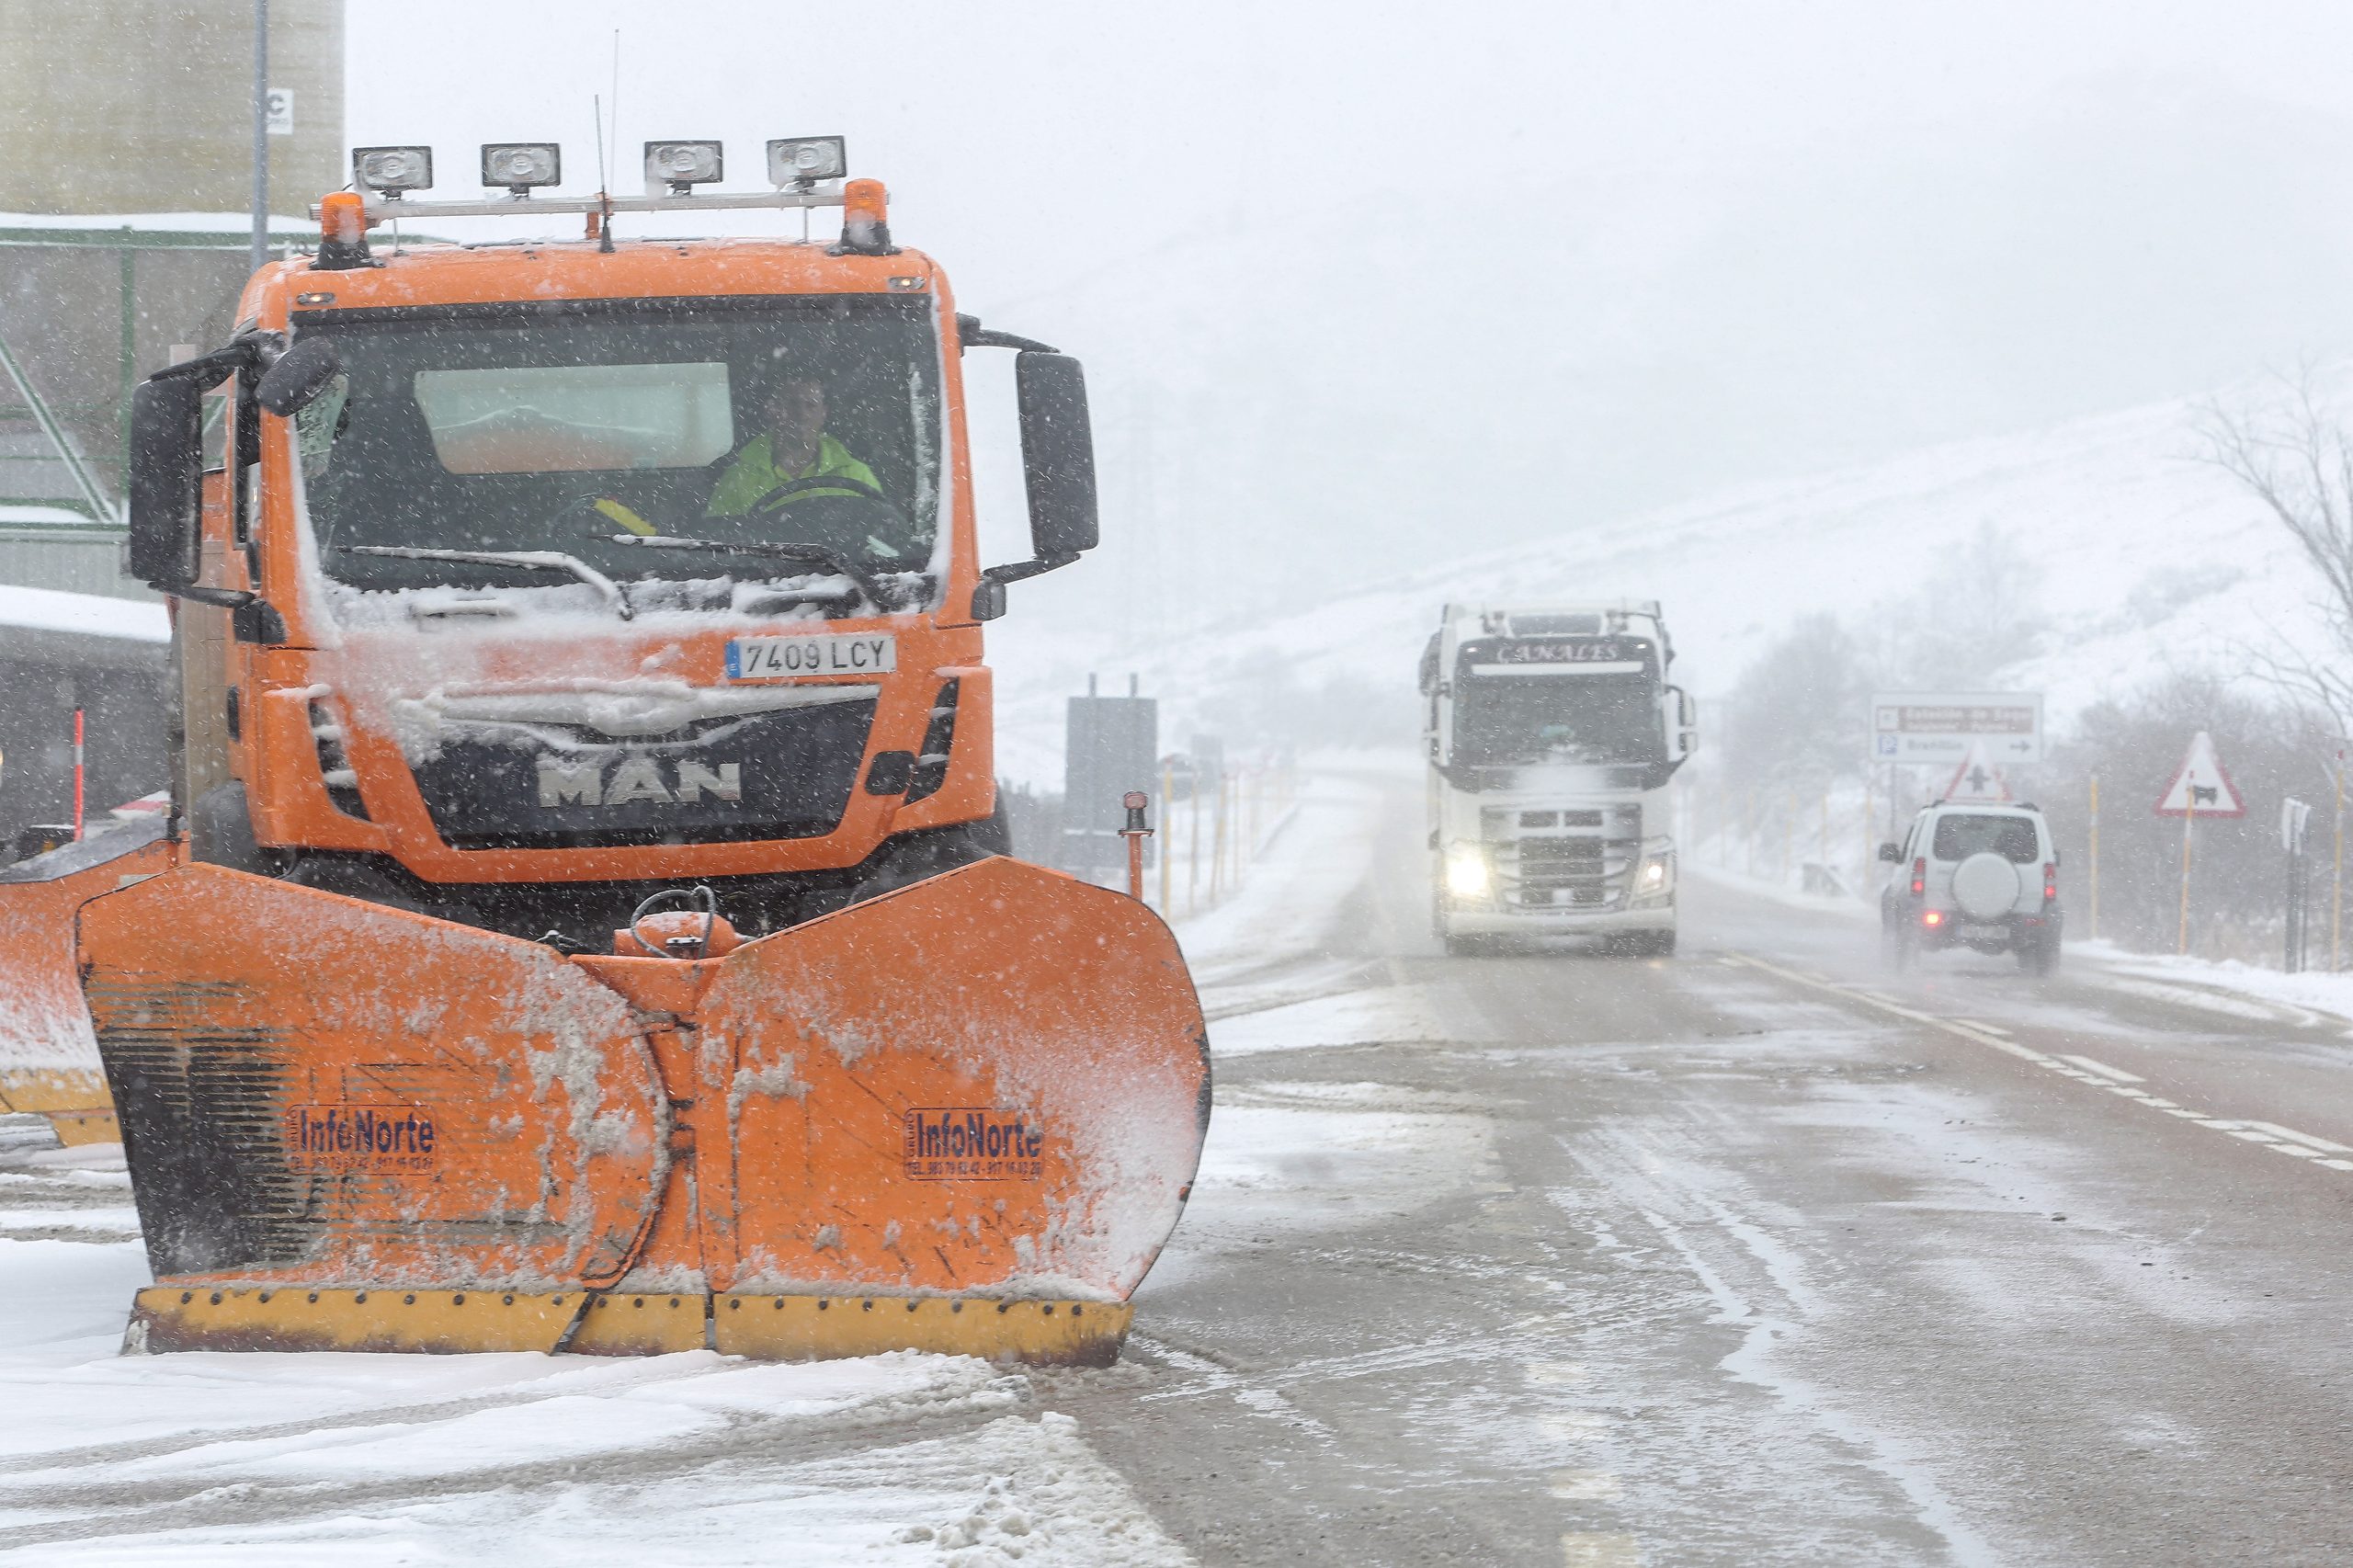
[(753, 476)]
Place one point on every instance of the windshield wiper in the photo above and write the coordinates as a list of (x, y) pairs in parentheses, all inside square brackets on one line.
[(812, 554), (537, 560)]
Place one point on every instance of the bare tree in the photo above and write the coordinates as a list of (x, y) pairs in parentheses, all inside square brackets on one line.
[(2292, 455), (1976, 612)]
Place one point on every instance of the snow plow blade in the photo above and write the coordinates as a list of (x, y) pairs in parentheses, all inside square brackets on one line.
[(961, 1117), (48, 1062)]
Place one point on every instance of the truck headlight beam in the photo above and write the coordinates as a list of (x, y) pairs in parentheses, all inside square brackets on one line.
[(1466, 871)]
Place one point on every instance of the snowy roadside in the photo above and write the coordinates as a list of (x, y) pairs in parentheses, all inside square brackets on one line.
[(1276, 965), (2227, 988), (204, 1458), (2312, 1000)]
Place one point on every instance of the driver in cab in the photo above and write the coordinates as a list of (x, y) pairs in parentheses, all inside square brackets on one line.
[(790, 457)]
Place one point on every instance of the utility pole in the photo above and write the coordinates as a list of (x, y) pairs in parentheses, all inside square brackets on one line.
[(2189, 819), (261, 134)]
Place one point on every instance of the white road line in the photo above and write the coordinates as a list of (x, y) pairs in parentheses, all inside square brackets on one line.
[(2306, 1139), (1583, 1485), (1995, 1029), (1581, 1549), (1557, 1374), (2104, 1070), (2084, 1070)]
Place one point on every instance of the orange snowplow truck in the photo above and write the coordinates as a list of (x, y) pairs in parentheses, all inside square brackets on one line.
[(588, 925)]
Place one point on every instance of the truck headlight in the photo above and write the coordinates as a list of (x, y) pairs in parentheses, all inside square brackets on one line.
[(1655, 878), (1466, 871)]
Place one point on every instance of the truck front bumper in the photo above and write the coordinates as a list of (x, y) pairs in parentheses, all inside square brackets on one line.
[(1537, 923)]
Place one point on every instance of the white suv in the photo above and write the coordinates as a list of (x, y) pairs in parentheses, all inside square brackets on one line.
[(1980, 877)]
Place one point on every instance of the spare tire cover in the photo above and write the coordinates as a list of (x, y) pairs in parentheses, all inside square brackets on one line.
[(1985, 885)]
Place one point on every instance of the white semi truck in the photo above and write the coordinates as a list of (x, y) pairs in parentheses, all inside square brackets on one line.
[(1551, 733)]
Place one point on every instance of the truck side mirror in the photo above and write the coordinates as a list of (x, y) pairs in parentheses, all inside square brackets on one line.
[(1057, 458), (301, 374), (1682, 716), (166, 543), (1057, 455), (1891, 853)]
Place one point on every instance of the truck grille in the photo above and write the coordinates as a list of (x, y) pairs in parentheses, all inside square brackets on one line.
[(1578, 859), (535, 785)]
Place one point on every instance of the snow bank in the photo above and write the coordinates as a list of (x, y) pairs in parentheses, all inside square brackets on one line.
[(2229, 988), (90, 615)]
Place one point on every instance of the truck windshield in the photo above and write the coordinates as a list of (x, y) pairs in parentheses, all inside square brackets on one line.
[(1514, 721), (758, 422)]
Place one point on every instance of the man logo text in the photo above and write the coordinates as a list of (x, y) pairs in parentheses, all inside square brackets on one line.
[(636, 779)]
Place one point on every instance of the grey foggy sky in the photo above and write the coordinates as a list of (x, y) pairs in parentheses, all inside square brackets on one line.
[(1359, 283)]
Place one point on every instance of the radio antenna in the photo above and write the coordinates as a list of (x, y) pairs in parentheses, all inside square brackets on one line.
[(617, 99), (604, 185)]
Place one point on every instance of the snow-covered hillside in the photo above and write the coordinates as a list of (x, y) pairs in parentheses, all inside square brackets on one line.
[(2148, 557)]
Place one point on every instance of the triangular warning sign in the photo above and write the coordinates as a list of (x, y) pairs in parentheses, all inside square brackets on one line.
[(2201, 787), (1978, 781)]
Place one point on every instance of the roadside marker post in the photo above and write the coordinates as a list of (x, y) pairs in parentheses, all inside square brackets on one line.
[(1871, 842), (1135, 831), (1193, 851), (2337, 891), (1167, 795), (77, 775), (2181, 942), (2294, 817), (2092, 829)]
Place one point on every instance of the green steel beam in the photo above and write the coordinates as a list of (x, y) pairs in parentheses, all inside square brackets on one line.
[(84, 480), (150, 239)]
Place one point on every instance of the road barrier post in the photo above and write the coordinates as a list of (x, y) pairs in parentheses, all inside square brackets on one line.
[(2337, 891), (1135, 832), (1167, 794), (1193, 852), (2093, 831), (1217, 842), (1825, 829), (1870, 831)]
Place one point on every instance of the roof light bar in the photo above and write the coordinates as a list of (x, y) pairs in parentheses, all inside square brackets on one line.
[(390, 171), (802, 160), (683, 166), (805, 171), (522, 165)]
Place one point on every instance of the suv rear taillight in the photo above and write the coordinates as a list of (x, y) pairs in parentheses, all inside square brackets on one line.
[(2050, 881), (1919, 876)]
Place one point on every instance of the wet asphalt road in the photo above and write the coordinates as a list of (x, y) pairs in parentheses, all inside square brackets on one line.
[(1757, 1255)]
